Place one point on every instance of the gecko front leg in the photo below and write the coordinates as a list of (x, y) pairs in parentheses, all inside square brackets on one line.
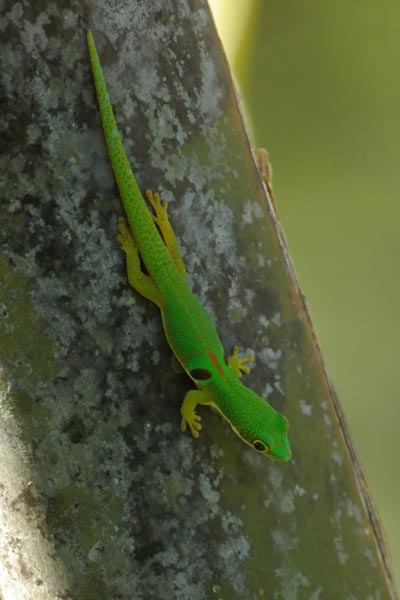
[(188, 410), (238, 364)]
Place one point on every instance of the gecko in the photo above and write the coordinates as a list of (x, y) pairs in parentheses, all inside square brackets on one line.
[(146, 236)]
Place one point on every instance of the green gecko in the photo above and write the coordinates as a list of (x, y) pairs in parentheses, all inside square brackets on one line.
[(188, 327)]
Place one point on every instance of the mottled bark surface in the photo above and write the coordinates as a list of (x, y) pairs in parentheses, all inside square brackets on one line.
[(101, 495)]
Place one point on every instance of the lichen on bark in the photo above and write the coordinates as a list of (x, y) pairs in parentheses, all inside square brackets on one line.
[(118, 503)]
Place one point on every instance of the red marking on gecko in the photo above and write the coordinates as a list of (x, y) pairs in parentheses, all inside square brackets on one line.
[(214, 361)]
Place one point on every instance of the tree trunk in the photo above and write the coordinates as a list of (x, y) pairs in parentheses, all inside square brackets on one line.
[(101, 495)]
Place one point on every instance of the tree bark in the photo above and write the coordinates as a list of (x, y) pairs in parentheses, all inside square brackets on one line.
[(101, 496)]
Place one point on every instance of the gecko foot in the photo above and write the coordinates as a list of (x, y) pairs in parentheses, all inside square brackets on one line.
[(160, 218), (160, 208), (188, 412), (125, 238), (193, 420), (238, 364)]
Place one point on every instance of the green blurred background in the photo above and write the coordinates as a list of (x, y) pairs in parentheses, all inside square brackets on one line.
[(320, 85)]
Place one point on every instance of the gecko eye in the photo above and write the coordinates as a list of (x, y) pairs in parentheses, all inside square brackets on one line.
[(260, 446), (200, 374)]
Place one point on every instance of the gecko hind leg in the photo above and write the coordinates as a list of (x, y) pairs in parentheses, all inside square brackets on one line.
[(238, 364), (160, 218), (141, 282)]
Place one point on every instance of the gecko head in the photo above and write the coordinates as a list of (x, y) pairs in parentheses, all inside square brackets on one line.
[(273, 443), (263, 428), (251, 417)]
